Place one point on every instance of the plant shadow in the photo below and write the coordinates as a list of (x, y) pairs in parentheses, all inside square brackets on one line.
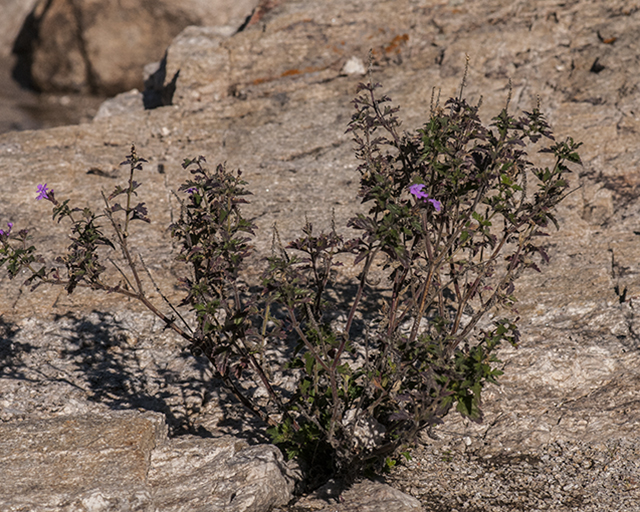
[(113, 368), (10, 351)]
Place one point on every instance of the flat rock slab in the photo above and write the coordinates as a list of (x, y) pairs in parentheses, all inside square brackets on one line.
[(124, 461), (62, 462), (219, 474), (364, 496)]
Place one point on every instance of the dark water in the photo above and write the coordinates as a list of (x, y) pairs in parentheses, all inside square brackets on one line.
[(21, 109)]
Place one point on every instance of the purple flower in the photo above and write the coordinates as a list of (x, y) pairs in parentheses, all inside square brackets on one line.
[(417, 191), (42, 192), (191, 190), (6, 233)]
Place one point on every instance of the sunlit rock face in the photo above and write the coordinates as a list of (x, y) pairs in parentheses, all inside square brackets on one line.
[(274, 101)]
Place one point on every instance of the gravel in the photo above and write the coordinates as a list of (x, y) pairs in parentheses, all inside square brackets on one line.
[(563, 475)]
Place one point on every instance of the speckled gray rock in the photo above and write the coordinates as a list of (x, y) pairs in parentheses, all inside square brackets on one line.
[(211, 474), (124, 461), (123, 103), (69, 462), (575, 377), (363, 496)]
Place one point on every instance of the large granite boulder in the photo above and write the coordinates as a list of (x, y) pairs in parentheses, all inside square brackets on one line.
[(124, 461), (274, 100), (101, 47)]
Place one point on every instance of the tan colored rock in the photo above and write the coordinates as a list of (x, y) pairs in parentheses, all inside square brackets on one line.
[(363, 496), (69, 462), (101, 47), (200, 473), (124, 461), (14, 13), (300, 43), (576, 374)]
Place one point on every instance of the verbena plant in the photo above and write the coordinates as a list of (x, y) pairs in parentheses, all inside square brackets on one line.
[(455, 214)]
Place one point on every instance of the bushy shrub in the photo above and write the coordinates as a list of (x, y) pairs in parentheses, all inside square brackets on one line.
[(454, 214)]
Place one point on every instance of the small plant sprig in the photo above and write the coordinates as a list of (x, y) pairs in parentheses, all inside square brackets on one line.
[(456, 213), (82, 260)]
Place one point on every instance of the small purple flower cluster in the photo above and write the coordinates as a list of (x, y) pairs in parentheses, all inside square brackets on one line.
[(417, 191), (6, 233), (43, 191)]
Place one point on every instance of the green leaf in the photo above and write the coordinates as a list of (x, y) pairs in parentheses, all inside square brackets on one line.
[(309, 362)]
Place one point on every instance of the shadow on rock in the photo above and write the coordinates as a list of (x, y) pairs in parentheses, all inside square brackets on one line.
[(117, 372), (10, 351)]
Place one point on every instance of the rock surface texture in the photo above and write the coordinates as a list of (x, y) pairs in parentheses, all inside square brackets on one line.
[(560, 431), (122, 461), (14, 13), (100, 47)]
